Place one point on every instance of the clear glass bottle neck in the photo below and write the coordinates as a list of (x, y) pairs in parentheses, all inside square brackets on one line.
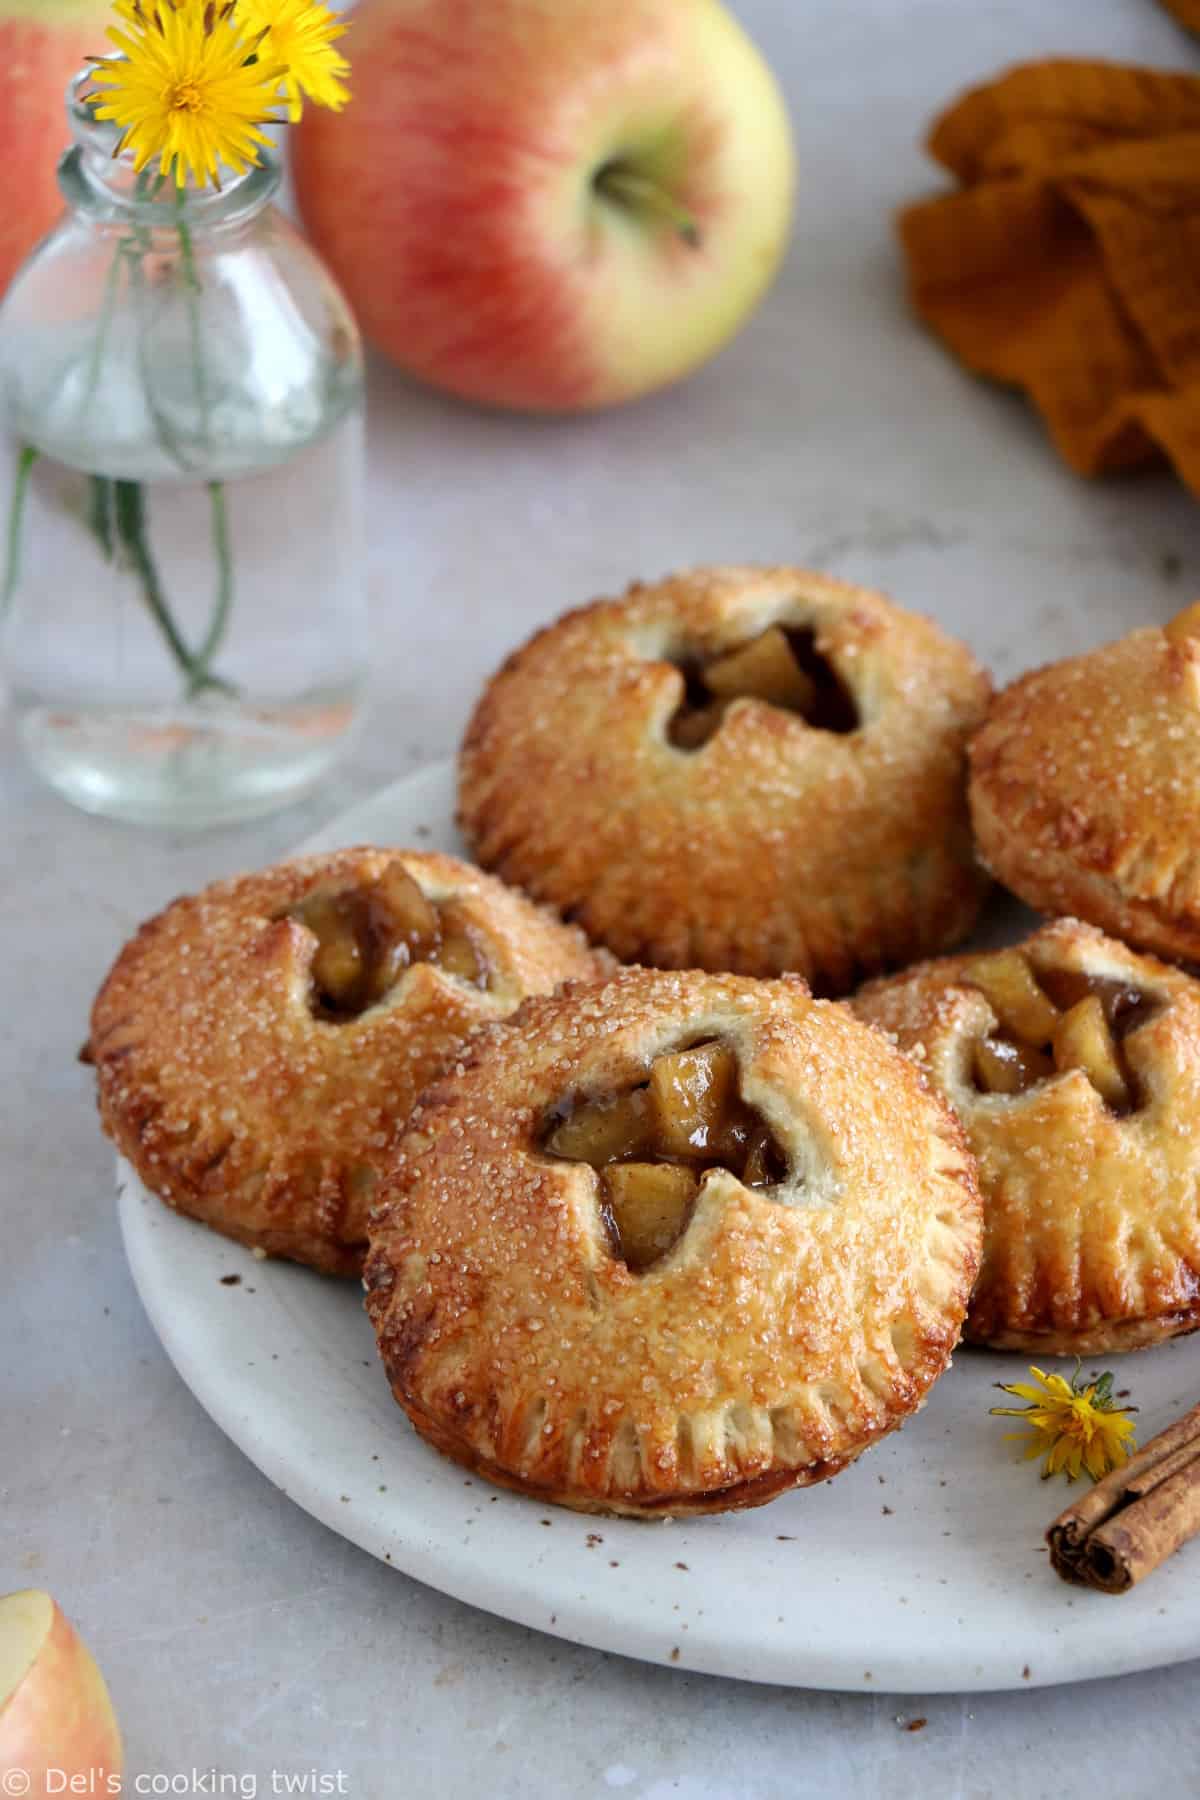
[(105, 187)]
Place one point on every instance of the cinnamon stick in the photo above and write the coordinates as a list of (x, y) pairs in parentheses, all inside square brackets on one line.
[(1136, 1516)]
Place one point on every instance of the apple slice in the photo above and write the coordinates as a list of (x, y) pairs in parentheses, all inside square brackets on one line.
[(55, 1713), (763, 669)]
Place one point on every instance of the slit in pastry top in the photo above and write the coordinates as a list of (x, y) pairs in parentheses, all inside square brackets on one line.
[(782, 667), (652, 1145), (366, 937), (1052, 1021)]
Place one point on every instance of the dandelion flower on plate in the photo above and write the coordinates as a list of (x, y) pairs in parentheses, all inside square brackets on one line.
[(1075, 1428), (190, 87), (301, 34)]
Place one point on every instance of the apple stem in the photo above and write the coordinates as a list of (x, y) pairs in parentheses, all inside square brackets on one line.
[(641, 194)]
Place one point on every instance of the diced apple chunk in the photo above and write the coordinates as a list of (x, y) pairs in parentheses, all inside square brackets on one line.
[(367, 937), (652, 1146), (1083, 1040), (764, 1165), (602, 1131), (693, 1094), (1125, 1005), (763, 669), (338, 964), (1002, 1067), (649, 1204), (1067, 987), (461, 953), (1009, 985), (460, 956), (400, 910)]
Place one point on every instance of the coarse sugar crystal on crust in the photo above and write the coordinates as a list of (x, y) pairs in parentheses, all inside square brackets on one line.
[(1080, 1094), (782, 1329), (1085, 788), (750, 769), (246, 1094)]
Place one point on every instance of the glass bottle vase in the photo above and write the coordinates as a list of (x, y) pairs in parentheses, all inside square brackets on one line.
[(182, 566)]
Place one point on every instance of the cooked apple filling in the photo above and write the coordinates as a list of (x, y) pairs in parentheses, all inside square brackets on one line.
[(782, 667), (1052, 1021), (367, 937), (651, 1146)]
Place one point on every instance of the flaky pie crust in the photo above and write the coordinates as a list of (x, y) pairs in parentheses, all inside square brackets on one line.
[(1092, 1228), (774, 847), (783, 1333), (239, 1107), (1085, 790)]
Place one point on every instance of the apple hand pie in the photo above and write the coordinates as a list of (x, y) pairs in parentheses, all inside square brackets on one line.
[(1074, 1066), (672, 1244), (257, 1046), (758, 770), (1085, 787)]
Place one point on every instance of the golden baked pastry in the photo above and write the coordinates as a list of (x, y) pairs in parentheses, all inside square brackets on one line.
[(257, 1045), (672, 1244), (1085, 787), (757, 770), (1074, 1065)]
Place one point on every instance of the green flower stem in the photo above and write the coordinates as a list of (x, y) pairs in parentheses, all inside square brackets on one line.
[(187, 257), (100, 341), (100, 513), (130, 510), (163, 431), (120, 506), (219, 623), (131, 503), (16, 517), (131, 529)]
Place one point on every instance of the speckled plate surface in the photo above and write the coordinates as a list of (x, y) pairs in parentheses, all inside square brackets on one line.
[(920, 1569)]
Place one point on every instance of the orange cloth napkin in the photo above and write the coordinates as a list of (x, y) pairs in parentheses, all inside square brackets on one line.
[(1186, 11), (1068, 264)]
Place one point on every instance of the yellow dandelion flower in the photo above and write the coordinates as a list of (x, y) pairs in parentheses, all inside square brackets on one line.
[(1073, 1427), (190, 87), (301, 35)]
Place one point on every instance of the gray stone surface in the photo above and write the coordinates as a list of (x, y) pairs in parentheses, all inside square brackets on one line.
[(236, 1633)]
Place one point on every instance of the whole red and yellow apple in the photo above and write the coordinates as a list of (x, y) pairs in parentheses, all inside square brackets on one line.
[(550, 205), (43, 43), (55, 1713)]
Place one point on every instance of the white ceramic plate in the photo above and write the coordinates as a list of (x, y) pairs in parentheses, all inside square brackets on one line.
[(920, 1569)]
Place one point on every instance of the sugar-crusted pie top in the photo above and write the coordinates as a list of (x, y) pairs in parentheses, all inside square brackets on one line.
[(786, 1308), (1085, 787), (257, 1045), (747, 769)]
